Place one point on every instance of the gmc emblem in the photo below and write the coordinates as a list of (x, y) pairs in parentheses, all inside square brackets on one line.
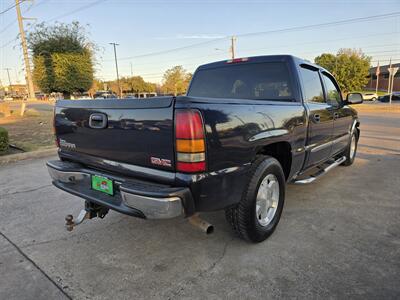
[(160, 161)]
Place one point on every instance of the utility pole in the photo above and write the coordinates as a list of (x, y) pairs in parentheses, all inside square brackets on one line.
[(131, 70), (116, 67), (29, 81), (233, 41), (9, 78)]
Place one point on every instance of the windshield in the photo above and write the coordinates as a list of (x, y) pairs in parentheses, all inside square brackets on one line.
[(262, 81)]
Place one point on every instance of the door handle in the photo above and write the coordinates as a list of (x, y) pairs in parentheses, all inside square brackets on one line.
[(317, 118), (335, 115)]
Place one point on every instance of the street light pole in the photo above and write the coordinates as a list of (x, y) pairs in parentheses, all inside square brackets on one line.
[(116, 67)]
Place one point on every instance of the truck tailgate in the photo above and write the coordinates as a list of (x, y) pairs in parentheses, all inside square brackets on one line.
[(133, 131)]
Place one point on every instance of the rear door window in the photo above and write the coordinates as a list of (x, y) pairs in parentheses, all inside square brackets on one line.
[(260, 81), (312, 86)]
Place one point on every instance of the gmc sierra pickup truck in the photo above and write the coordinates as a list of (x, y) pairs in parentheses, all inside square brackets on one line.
[(245, 128)]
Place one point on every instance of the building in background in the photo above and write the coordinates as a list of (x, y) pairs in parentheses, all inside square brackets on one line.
[(383, 81)]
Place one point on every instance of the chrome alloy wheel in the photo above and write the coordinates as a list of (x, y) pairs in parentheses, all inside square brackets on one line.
[(267, 200), (352, 147)]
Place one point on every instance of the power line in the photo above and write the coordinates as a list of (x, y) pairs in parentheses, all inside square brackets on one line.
[(328, 24), (11, 7), (290, 29), (269, 48), (16, 20), (8, 43), (8, 26), (76, 10)]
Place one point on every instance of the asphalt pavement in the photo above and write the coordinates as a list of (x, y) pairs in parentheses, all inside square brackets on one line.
[(338, 238)]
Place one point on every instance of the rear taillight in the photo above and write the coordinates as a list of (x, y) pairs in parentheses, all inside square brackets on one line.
[(190, 144)]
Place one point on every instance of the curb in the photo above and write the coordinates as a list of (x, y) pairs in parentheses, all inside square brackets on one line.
[(6, 159)]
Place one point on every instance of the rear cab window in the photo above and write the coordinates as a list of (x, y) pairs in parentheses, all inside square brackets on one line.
[(256, 81)]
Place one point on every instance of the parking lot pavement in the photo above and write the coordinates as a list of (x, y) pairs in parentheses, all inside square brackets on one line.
[(338, 237)]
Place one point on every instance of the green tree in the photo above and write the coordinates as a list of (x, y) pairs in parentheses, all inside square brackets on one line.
[(176, 80), (349, 66), (134, 84), (96, 86), (62, 58)]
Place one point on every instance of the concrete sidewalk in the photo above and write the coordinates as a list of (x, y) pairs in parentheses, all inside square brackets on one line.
[(338, 238)]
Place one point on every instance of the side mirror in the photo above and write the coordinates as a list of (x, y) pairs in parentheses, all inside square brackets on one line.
[(354, 98)]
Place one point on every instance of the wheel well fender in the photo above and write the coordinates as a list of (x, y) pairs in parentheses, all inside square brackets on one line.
[(281, 151)]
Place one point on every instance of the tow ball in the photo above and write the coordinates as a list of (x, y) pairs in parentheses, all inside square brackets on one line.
[(90, 211)]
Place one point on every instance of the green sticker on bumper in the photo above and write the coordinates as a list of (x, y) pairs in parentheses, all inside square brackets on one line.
[(102, 184)]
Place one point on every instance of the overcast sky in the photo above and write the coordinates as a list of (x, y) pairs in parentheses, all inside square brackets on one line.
[(145, 27)]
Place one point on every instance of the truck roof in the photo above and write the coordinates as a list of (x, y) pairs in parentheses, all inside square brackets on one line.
[(260, 59)]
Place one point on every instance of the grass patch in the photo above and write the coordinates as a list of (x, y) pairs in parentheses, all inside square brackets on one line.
[(31, 132), (3, 140)]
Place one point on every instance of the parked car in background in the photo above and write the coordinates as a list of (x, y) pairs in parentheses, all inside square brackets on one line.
[(81, 96), (370, 96), (386, 98), (104, 95), (40, 96), (129, 96), (145, 95)]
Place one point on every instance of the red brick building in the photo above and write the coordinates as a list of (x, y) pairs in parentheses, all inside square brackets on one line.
[(383, 79)]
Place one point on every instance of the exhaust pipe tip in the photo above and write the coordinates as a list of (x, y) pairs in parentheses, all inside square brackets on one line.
[(210, 229), (201, 224)]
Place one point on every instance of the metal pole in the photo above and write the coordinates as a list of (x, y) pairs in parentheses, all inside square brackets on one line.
[(233, 40), (377, 78), (390, 66), (31, 91), (9, 79), (116, 67), (392, 73), (391, 77), (8, 73)]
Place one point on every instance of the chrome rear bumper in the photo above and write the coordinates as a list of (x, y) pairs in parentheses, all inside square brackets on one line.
[(132, 197)]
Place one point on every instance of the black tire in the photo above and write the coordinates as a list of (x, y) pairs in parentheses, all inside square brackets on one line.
[(243, 217), (373, 99), (350, 158)]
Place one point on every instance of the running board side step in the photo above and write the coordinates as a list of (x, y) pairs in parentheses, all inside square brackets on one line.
[(321, 172)]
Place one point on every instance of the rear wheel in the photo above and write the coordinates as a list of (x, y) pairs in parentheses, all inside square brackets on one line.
[(351, 149), (258, 213)]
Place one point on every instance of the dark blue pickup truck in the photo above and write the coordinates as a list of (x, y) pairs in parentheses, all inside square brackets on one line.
[(245, 128)]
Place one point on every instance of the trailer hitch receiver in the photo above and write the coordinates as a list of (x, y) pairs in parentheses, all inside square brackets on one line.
[(89, 212)]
